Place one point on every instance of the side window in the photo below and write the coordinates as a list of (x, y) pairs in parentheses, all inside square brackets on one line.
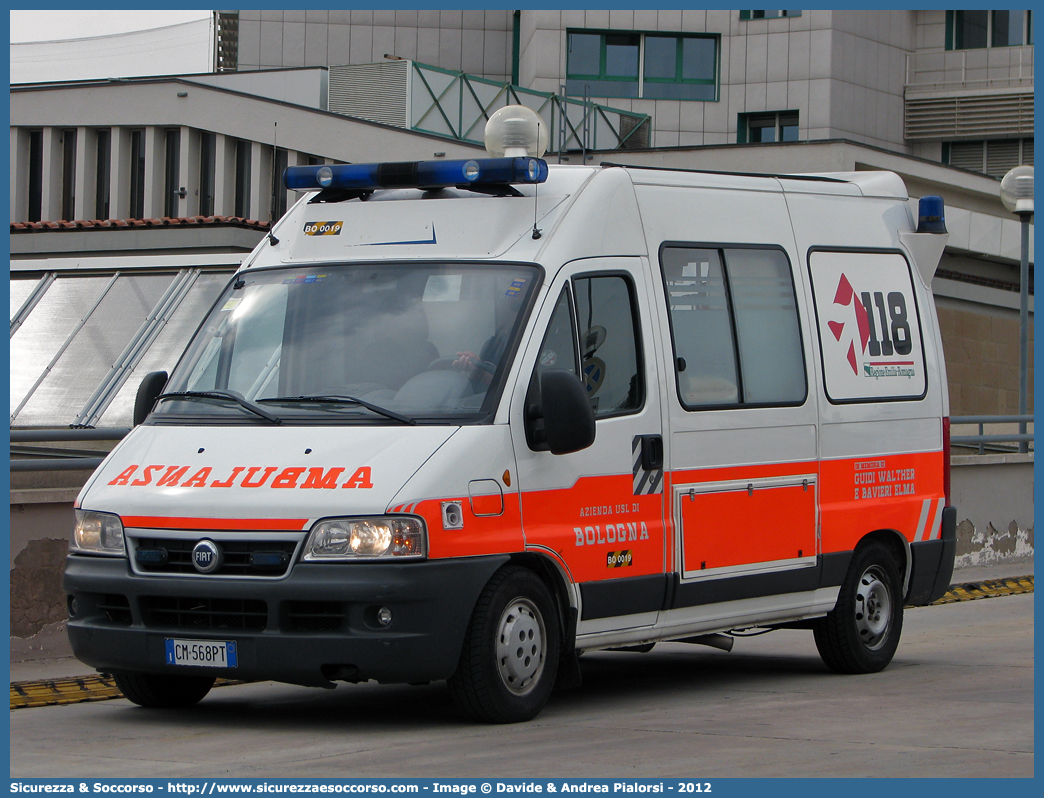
[(767, 330), (558, 350), (734, 323), (704, 351), (609, 345)]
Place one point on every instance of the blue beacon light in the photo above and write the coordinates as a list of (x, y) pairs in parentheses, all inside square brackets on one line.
[(417, 174), (931, 215)]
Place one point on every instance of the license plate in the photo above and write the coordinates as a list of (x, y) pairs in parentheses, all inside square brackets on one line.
[(207, 653)]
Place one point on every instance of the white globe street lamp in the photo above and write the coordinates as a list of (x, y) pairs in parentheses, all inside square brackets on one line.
[(1016, 192)]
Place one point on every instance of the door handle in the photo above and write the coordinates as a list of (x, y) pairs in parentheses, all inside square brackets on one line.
[(652, 452)]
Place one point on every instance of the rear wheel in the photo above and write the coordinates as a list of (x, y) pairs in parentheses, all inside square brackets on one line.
[(163, 690), (510, 656), (861, 633)]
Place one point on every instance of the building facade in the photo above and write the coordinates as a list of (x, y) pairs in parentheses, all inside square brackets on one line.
[(951, 86)]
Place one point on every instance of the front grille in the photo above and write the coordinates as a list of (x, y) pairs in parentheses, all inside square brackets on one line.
[(116, 608), (236, 556), (314, 616), (177, 612)]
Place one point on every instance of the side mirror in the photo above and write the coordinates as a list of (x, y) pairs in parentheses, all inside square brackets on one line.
[(569, 422), (150, 388)]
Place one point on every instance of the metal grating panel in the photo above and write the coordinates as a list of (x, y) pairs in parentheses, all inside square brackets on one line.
[(236, 559), (968, 155), (1008, 114), (315, 616), (1001, 156), (993, 156), (377, 92), (179, 612), (116, 608)]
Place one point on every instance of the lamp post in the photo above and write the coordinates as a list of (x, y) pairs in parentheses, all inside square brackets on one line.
[(1016, 192)]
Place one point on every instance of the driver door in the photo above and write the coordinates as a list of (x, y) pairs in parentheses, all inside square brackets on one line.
[(599, 512)]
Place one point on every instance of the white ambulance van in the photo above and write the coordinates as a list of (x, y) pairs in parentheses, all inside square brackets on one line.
[(466, 420)]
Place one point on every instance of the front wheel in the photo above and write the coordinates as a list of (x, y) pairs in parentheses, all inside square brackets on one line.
[(163, 690), (510, 655), (861, 633)]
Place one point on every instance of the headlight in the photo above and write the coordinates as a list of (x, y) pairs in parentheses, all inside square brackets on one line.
[(366, 538), (98, 533)]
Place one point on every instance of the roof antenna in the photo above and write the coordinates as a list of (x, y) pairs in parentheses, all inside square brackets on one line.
[(537, 232), (272, 240)]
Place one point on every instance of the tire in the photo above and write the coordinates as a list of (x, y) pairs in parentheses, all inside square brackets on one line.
[(861, 633), (511, 648), (163, 691)]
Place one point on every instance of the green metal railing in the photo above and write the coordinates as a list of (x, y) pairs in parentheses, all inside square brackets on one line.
[(457, 105)]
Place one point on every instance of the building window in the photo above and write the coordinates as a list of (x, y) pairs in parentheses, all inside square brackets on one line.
[(767, 128), (172, 173), (651, 66), (768, 14), (969, 30), (995, 157), (680, 68), (207, 149), (68, 175), (242, 208), (101, 183), (137, 174), (35, 210)]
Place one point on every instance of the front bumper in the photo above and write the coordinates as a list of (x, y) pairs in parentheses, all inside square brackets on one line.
[(932, 567), (317, 624)]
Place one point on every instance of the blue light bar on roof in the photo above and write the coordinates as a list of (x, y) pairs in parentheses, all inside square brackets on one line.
[(416, 174)]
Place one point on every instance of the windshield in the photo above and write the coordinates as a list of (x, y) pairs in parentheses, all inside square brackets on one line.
[(394, 343)]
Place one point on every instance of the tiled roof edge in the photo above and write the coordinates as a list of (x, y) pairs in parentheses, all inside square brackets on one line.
[(121, 224)]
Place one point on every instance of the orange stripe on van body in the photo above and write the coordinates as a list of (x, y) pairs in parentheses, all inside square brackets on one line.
[(890, 496), (779, 524), (595, 518), (481, 535), (174, 522)]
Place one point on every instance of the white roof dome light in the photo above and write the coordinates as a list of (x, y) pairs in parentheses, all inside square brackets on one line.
[(1016, 189), (516, 132)]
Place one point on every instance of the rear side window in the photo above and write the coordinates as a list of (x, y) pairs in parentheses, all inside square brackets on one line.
[(734, 325), (869, 326)]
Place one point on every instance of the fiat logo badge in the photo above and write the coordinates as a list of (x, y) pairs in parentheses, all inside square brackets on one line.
[(206, 557)]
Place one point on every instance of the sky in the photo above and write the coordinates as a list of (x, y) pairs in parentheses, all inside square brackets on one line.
[(82, 45), (37, 26)]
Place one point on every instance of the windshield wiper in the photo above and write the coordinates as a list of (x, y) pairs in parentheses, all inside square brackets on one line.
[(238, 398), (334, 400)]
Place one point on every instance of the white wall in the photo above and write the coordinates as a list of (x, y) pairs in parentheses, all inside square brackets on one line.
[(473, 41)]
